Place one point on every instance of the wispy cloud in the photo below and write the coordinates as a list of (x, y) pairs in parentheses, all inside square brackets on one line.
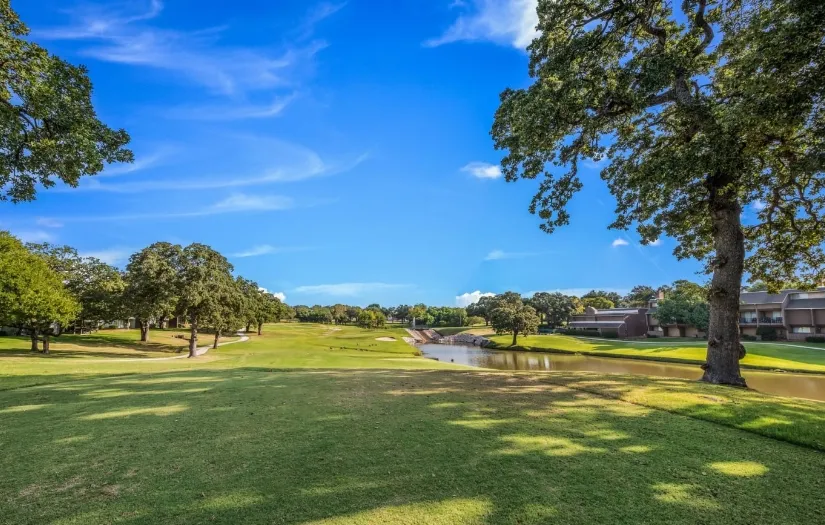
[(620, 242), (219, 112), (48, 223), (267, 249), (498, 255), (125, 35), (482, 170), (506, 22), (758, 205), (657, 242), (113, 256), (296, 163), (235, 203), (466, 299), (141, 163), (34, 236), (347, 289)]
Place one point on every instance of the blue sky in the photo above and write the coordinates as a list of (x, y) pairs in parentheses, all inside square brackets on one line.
[(335, 152)]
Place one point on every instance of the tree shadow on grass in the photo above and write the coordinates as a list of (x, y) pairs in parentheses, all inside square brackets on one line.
[(258, 445)]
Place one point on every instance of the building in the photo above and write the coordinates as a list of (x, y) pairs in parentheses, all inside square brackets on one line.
[(612, 322), (656, 329), (794, 314)]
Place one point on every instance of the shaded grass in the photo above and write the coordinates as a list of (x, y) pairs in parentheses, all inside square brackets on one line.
[(770, 356), (395, 446)]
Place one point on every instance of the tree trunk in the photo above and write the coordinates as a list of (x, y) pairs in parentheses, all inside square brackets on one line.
[(515, 336), (248, 327), (162, 322), (33, 335), (193, 337), (724, 347), (260, 328), (217, 336), (144, 331), (46, 342)]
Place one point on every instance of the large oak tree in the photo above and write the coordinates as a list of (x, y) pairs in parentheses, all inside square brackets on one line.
[(48, 127), (700, 111), (152, 283)]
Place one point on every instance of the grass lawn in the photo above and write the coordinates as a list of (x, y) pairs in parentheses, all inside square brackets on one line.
[(107, 344), (779, 355), (317, 426)]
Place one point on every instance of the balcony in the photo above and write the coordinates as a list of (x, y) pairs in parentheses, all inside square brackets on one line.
[(762, 320)]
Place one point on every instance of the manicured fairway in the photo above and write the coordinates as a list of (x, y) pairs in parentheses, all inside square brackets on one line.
[(781, 355), (310, 425)]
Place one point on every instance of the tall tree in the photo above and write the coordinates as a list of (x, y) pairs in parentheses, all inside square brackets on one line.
[(598, 302), (152, 283), (613, 297), (98, 287), (32, 294), (700, 111), (205, 277), (230, 311), (510, 314), (639, 296), (558, 308), (48, 127)]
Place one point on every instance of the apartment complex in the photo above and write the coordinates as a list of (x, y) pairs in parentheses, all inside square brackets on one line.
[(795, 314), (612, 322)]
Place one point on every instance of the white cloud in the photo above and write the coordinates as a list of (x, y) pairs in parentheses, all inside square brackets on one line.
[(111, 256), (505, 22), (347, 289), (482, 170), (279, 295), (127, 37), (266, 249), (498, 255), (36, 236), (657, 242), (758, 205), (142, 162), (466, 299), (620, 242), (235, 203), (48, 223)]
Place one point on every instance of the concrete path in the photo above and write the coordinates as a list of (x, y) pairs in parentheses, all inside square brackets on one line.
[(199, 352)]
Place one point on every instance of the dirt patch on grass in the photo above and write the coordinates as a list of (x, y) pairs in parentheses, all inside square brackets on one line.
[(386, 339)]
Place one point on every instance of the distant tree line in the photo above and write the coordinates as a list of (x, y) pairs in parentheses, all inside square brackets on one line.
[(47, 289), (376, 315)]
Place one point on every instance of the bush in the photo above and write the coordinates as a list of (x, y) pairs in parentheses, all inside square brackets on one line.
[(3, 333), (474, 321), (815, 339), (746, 337), (768, 333), (585, 333)]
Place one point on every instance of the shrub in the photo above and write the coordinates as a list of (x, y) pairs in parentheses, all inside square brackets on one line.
[(815, 339), (747, 337), (475, 320), (768, 333), (3, 333)]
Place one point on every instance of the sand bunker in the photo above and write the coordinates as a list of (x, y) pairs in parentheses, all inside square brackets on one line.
[(387, 339)]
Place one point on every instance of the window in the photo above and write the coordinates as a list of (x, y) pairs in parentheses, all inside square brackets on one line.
[(802, 329)]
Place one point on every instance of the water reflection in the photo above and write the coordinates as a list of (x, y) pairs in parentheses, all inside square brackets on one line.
[(807, 386)]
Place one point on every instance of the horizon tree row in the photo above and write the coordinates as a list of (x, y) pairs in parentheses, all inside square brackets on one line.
[(46, 289)]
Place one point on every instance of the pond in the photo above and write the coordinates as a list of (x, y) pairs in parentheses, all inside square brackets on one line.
[(808, 386)]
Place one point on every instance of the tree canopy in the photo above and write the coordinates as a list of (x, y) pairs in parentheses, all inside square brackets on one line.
[(152, 283), (48, 127), (639, 296), (509, 314), (700, 111)]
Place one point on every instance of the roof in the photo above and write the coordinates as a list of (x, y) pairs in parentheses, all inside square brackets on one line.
[(619, 311), (763, 297), (805, 303), (596, 324)]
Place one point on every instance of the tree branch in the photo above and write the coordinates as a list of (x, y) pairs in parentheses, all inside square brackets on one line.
[(699, 21)]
